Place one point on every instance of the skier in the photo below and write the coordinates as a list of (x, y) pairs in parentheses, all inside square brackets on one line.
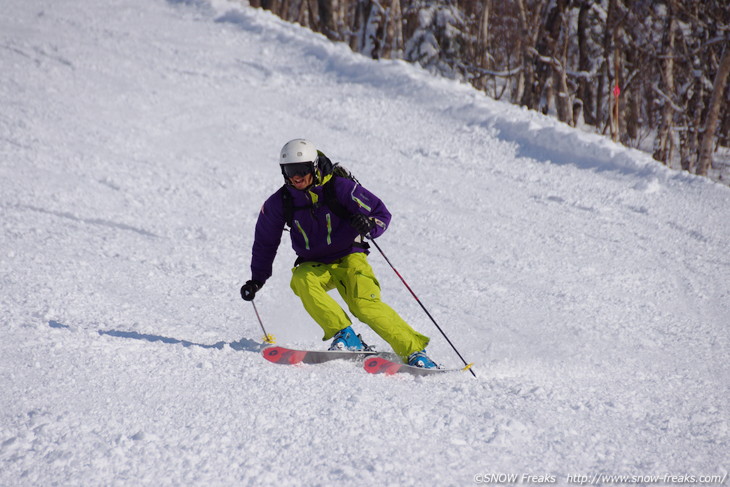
[(329, 216)]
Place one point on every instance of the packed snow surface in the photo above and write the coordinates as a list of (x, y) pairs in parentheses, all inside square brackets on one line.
[(138, 139)]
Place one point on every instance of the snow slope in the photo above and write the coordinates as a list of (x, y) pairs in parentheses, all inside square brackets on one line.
[(138, 139)]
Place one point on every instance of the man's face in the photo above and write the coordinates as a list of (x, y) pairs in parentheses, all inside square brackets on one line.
[(301, 182)]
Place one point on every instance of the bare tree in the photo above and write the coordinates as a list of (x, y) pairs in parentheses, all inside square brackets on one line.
[(713, 114), (663, 145), (586, 93)]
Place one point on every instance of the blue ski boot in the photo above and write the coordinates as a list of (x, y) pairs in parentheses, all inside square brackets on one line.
[(420, 359), (346, 339)]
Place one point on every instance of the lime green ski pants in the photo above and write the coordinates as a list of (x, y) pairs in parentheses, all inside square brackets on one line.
[(354, 279)]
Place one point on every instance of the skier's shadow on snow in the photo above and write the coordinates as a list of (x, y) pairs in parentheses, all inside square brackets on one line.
[(243, 345)]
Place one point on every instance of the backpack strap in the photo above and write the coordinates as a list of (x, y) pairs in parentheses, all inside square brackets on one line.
[(330, 199), (288, 206)]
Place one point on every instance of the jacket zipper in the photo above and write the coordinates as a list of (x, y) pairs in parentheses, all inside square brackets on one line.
[(301, 230)]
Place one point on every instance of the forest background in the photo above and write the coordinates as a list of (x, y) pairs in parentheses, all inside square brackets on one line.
[(651, 74)]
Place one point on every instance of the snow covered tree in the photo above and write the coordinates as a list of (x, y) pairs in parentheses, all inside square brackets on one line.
[(435, 35), (377, 29)]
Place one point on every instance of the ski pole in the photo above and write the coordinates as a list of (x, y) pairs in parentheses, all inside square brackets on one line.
[(467, 365), (267, 338)]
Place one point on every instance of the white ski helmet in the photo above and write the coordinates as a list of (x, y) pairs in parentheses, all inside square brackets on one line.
[(298, 151)]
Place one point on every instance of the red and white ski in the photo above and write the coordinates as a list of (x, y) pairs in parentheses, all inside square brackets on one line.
[(288, 356), (380, 365)]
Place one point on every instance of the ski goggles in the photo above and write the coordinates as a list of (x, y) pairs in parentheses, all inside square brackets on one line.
[(297, 169)]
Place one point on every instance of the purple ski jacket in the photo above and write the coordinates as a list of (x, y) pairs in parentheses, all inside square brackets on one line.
[(317, 234)]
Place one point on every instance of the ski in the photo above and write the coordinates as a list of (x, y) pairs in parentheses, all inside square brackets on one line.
[(380, 365), (288, 356)]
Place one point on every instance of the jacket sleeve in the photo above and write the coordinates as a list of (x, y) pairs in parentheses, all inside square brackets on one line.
[(357, 199), (269, 228)]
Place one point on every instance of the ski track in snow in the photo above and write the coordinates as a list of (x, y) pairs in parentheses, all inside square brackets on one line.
[(590, 285)]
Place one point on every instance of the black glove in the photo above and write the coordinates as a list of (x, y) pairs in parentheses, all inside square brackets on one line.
[(248, 290), (362, 224)]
